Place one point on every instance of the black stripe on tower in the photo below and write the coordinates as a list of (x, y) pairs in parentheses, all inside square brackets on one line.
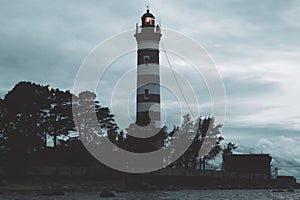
[(143, 118), (155, 98), (152, 54)]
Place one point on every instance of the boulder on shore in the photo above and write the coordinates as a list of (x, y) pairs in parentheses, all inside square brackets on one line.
[(107, 193)]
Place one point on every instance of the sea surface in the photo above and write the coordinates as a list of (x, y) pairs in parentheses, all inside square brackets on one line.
[(156, 195)]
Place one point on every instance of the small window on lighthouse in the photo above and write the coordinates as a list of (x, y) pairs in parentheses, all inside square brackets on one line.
[(146, 59), (146, 95)]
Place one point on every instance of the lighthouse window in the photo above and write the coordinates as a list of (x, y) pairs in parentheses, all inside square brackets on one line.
[(146, 59), (149, 20), (146, 95)]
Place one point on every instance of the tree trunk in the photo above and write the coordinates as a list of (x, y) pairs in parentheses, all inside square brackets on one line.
[(45, 137), (200, 163), (54, 139)]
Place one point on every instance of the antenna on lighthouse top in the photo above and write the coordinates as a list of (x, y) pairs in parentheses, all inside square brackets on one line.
[(147, 7)]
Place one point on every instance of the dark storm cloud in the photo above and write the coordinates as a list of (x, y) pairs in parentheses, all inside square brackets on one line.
[(47, 42), (35, 44)]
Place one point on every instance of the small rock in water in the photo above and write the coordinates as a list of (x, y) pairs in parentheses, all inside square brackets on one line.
[(278, 190), (172, 188), (107, 193)]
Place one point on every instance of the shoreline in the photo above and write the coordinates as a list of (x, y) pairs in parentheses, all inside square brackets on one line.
[(61, 187)]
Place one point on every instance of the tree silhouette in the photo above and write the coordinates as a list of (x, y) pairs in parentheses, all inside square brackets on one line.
[(3, 112), (93, 121), (60, 118), (187, 128), (207, 140), (22, 129), (140, 144), (227, 150), (30, 114), (212, 141)]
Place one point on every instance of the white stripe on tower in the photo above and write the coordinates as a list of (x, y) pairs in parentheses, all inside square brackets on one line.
[(148, 77), (151, 68)]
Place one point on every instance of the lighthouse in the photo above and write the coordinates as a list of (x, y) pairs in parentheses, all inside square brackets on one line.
[(148, 74)]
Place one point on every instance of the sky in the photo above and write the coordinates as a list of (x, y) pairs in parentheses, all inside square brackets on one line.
[(254, 44)]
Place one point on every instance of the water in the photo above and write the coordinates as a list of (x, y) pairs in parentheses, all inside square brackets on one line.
[(165, 195)]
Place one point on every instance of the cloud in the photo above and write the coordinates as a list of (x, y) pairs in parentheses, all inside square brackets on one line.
[(47, 44), (285, 152), (291, 16)]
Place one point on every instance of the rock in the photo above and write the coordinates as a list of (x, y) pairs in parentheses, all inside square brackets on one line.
[(107, 193), (172, 188), (278, 190)]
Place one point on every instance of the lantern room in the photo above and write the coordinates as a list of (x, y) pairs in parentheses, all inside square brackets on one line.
[(148, 20)]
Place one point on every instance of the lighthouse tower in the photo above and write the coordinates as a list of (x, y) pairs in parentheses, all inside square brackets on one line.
[(148, 81)]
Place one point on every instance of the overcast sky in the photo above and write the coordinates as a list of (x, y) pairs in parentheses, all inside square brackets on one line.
[(254, 44)]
